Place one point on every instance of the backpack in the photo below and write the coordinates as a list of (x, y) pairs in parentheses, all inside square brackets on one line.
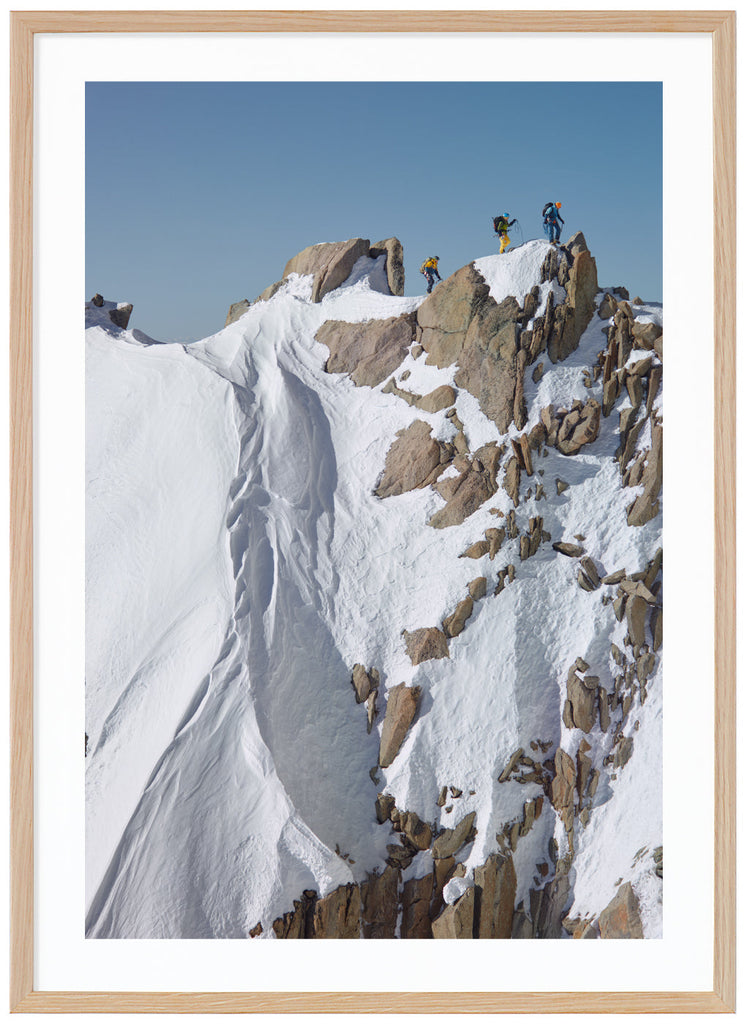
[(547, 208), (499, 224), (430, 263)]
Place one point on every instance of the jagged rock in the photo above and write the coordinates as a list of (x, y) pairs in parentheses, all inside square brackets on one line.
[(385, 804), (395, 268), (416, 351), (572, 550), (338, 915), (537, 372), (587, 564), (624, 752), (256, 930), (416, 902), (456, 921), (453, 839), (413, 461), (380, 904), (98, 300), (476, 550), (401, 708), (445, 315), (236, 310), (330, 262), (614, 577), (454, 624), (656, 625), (426, 644), (437, 400), (299, 922), (621, 918), (371, 709), (607, 307), (270, 290), (120, 316), (646, 334), (390, 388), (579, 428), (418, 833), (369, 351), (646, 505), (637, 588), (561, 485), (473, 489), (582, 702), (478, 588), (364, 682), (495, 537), (635, 610), (512, 479)]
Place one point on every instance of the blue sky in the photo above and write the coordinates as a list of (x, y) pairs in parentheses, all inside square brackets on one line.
[(197, 194)]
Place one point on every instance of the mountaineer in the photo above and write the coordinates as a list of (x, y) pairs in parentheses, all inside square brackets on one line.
[(550, 218), (430, 269), (501, 224)]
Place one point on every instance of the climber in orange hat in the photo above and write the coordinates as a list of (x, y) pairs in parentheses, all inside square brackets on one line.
[(552, 220)]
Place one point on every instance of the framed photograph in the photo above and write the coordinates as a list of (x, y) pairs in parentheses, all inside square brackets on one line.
[(337, 566)]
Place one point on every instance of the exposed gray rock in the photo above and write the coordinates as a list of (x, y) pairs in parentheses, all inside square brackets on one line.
[(120, 316), (621, 918)]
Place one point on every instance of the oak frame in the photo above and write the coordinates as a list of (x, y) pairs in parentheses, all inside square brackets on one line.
[(721, 25)]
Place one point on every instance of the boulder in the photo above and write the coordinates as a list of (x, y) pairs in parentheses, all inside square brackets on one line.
[(395, 267), (478, 588), (120, 316), (454, 624), (364, 682), (236, 310), (98, 300), (578, 428), (582, 702), (369, 351), (330, 263), (621, 918), (572, 550), (512, 479), (476, 550), (401, 708), (646, 505), (426, 644), (437, 400), (413, 461), (453, 839)]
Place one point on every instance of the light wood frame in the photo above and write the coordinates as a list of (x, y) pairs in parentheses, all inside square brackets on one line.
[(721, 25)]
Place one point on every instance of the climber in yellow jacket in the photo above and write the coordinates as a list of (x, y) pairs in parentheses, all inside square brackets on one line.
[(501, 224), (430, 269)]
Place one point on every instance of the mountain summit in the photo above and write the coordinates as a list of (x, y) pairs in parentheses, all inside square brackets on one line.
[(374, 608)]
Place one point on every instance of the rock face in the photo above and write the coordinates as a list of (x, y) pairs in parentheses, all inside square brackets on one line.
[(457, 920), (401, 708), (395, 268), (495, 891), (469, 491), (368, 351), (330, 263), (415, 460)]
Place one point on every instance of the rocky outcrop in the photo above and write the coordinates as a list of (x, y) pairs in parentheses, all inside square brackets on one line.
[(454, 623), (414, 460), (457, 921), (495, 891), (395, 268), (120, 316), (368, 351), (621, 918), (236, 310), (468, 492), (364, 682), (569, 430), (426, 644), (401, 708), (330, 263)]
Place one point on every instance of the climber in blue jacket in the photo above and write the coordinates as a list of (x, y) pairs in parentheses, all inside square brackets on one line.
[(551, 217)]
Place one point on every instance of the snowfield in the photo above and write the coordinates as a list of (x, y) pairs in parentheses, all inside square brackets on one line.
[(239, 564)]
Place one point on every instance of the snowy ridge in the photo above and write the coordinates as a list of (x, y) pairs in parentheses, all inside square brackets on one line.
[(233, 527)]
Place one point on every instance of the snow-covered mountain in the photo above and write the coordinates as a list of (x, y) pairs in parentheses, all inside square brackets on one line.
[(374, 608)]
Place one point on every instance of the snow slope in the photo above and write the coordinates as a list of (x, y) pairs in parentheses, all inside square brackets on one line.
[(245, 565)]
